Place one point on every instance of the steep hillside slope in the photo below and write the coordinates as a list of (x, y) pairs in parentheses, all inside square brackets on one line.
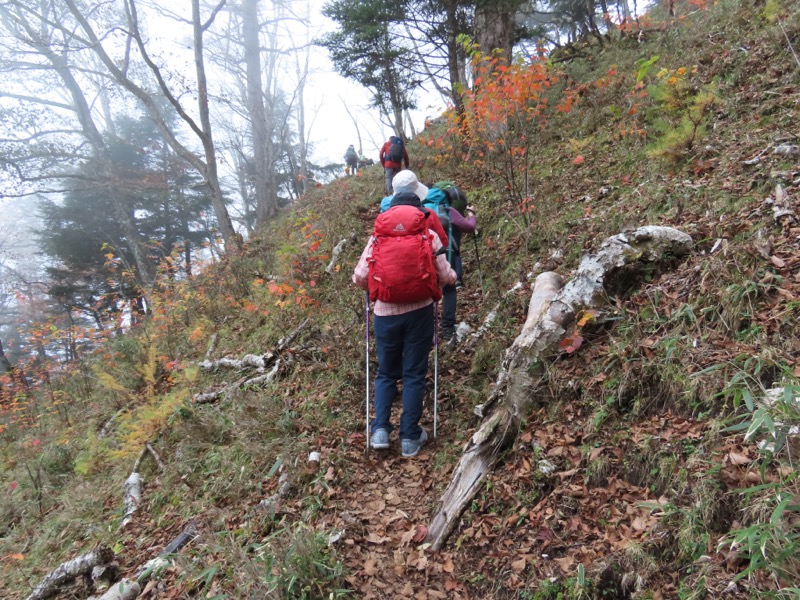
[(631, 477)]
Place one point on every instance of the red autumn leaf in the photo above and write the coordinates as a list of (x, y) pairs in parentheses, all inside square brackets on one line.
[(13, 485), (571, 344), (420, 534), (578, 160)]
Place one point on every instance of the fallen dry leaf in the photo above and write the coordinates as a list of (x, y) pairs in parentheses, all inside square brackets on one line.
[(451, 584), (518, 566), (371, 567), (778, 262), (739, 459)]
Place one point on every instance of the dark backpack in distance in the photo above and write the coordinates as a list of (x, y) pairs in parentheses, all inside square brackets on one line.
[(351, 156), (455, 197), (396, 151)]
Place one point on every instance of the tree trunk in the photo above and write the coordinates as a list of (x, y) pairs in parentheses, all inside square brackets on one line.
[(255, 107), (207, 169), (4, 362), (494, 26), (612, 270), (300, 113), (457, 81), (212, 176)]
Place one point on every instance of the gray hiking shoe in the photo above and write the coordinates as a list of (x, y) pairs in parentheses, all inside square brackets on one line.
[(380, 439), (412, 447)]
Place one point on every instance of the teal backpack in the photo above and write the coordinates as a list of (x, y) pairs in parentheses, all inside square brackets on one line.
[(438, 202)]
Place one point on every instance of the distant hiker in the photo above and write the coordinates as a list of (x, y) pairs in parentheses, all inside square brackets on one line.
[(392, 156), (459, 224), (363, 161), (351, 158), (403, 271)]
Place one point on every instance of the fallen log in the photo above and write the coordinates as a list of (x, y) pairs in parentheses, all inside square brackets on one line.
[(70, 570), (613, 269), (782, 211), (552, 261)]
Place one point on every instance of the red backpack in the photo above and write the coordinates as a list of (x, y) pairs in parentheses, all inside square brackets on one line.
[(401, 269)]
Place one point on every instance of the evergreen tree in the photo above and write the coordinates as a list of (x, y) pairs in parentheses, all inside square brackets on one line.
[(368, 49), (163, 198)]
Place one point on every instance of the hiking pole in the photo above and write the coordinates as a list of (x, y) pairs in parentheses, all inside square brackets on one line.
[(366, 312), (435, 365), (478, 258)]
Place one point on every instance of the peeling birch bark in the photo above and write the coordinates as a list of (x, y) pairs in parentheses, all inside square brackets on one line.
[(70, 570), (259, 362), (211, 346), (256, 362), (782, 211), (124, 589), (272, 503), (337, 252), (552, 309), (133, 497)]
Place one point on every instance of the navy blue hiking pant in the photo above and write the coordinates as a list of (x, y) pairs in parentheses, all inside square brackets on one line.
[(403, 343)]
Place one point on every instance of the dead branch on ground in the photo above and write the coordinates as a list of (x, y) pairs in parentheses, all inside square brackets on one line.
[(71, 570)]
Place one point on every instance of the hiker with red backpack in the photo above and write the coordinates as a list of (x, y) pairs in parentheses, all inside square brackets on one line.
[(404, 268), (392, 156)]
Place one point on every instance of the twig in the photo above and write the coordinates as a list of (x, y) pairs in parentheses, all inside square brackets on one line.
[(156, 456), (106, 429), (788, 41)]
